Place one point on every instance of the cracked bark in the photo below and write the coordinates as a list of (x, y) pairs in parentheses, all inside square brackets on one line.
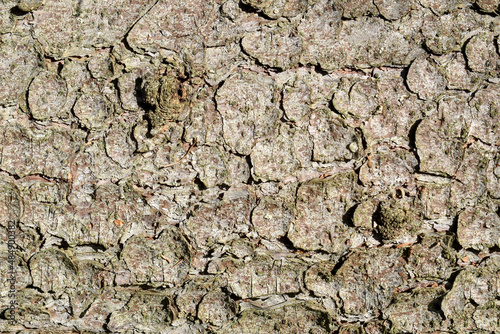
[(321, 166)]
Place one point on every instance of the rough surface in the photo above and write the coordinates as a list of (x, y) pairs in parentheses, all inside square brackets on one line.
[(250, 166)]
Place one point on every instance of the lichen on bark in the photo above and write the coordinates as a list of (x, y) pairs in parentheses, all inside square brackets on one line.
[(253, 166)]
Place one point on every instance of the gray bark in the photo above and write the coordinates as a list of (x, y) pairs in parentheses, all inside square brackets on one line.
[(225, 166)]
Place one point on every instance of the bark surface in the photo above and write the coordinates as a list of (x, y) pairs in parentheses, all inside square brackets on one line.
[(225, 166)]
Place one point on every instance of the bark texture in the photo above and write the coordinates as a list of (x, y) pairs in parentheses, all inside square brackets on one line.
[(253, 166)]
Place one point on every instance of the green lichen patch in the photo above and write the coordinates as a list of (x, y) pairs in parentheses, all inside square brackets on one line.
[(167, 96), (397, 218)]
